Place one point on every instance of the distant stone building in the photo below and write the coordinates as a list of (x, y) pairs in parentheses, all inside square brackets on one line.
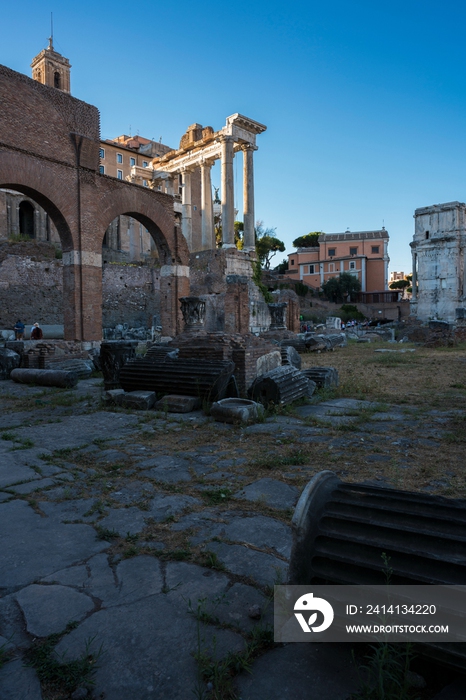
[(396, 276), (363, 254), (439, 270)]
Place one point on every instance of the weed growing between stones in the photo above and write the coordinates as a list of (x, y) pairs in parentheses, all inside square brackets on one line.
[(216, 496), (60, 678), (216, 676), (387, 673)]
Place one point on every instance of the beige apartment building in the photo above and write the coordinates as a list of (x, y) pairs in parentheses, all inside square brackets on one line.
[(363, 254)]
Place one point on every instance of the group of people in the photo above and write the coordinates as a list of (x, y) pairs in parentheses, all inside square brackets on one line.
[(36, 331)]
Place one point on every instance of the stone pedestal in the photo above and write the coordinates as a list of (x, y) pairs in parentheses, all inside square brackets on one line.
[(113, 355), (193, 310), (278, 316)]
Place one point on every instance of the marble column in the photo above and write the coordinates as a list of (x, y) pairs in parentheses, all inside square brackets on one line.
[(207, 211), (186, 212), (249, 240), (228, 199), (169, 186), (414, 280)]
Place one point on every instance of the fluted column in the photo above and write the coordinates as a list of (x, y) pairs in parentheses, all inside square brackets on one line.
[(228, 198), (207, 211), (186, 212), (414, 279), (248, 198)]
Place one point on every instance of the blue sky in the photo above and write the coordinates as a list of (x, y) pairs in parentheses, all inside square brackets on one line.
[(364, 102)]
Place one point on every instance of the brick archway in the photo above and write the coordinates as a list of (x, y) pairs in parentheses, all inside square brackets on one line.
[(155, 211), (49, 150)]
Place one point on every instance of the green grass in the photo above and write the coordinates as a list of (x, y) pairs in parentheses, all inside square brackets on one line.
[(59, 678), (216, 496)]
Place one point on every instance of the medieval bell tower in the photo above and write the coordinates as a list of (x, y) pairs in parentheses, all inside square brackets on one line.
[(51, 68)]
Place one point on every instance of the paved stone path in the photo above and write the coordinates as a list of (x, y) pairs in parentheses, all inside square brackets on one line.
[(126, 541)]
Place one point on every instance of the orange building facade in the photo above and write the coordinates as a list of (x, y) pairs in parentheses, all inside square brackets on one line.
[(363, 254)]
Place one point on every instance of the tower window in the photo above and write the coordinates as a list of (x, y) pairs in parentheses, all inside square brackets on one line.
[(57, 80)]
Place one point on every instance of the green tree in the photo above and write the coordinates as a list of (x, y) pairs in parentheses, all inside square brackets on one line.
[(267, 244), (339, 288), (399, 284), (282, 267), (309, 240)]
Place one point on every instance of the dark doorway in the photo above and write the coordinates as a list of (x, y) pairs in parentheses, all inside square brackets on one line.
[(26, 219)]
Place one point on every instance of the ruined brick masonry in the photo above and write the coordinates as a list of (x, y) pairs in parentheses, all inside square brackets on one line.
[(130, 293)]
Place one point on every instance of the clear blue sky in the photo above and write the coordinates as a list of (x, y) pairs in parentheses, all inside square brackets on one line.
[(364, 102)]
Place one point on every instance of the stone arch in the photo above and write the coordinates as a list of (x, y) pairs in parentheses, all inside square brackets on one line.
[(153, 209)]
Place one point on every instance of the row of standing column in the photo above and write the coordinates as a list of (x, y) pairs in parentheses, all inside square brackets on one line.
[(228, 199)]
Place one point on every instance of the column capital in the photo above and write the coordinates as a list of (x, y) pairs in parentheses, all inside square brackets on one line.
[(248, 147)]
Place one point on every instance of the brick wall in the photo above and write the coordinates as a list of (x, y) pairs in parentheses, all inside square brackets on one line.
[(32, 289)]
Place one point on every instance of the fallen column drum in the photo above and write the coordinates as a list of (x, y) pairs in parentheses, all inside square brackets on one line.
[(201, 378), (345, 533)]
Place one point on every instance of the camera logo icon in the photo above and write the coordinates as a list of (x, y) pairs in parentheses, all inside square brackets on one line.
[(307, 603)]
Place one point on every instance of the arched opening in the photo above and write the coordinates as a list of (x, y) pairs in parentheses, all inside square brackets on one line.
[(45, 227), (26, 219), (130, 276), (57, 80)]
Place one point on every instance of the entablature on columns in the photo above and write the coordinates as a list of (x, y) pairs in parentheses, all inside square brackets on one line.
[(208, 149)]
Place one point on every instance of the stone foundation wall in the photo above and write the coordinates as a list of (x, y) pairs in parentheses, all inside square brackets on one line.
[(31, 289)]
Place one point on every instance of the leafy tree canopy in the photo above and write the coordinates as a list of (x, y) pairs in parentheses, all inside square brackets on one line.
[(267, 244), (399, 284), (339, 288), (309, 240)]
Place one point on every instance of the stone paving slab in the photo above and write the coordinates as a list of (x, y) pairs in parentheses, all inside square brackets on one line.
[(263, 568), (301, 672), (13, 472), (23, 489), (18, 682), (75, 431), (48, 609), (271, 492), (32, 549), (144, 658)]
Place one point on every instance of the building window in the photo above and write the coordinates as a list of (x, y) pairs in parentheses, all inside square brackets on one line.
[(352, 265), (119, 158), (101, 152), (427, 235), (375, 249), (292, 262), (353, 251), (311, 270), (145, 163), (144, 183), (132, 162), (332, 252), (331, 267), (56, 80), (120, 174), (102, 169)]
